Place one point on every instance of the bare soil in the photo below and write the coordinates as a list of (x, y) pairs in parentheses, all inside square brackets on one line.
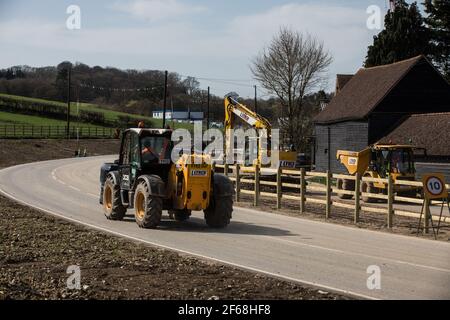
[(36, 249)]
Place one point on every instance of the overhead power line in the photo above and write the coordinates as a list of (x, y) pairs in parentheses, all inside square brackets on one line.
[(83, 85)]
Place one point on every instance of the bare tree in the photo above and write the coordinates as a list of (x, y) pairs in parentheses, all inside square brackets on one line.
[(291, 67)]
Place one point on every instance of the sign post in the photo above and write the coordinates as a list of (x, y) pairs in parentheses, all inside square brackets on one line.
[(433, 189)]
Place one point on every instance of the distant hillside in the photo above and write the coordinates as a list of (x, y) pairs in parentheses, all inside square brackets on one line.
[(129, 91), (33, 111)]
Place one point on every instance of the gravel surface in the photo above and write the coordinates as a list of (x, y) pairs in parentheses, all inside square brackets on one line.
[(36, 250)]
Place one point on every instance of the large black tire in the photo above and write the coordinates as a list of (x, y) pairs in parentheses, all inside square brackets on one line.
[(219, 212), (180, 215), (368, 187), (147, 208), (112, 203), (343, 184)]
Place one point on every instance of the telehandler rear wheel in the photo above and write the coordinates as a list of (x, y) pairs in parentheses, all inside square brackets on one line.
[(112, 204), (218, 214), (180, 215), (147, 208)]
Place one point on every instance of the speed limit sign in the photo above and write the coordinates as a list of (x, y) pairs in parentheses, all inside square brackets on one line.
[(434, 186)]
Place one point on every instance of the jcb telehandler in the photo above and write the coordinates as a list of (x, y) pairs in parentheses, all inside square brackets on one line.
[(145, 179), (378, 161)]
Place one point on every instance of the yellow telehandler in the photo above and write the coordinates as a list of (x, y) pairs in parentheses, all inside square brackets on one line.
[(378, 161), (145, 179)]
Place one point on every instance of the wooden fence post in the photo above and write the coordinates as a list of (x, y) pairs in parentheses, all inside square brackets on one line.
[(302, 190), (357, 196), (256, 198), (390, 211), (225, 169), (238, 182), (279, 187), (328, 195), (427, 214)]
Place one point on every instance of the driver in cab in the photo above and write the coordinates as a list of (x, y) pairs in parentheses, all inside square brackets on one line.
[(148, 154)]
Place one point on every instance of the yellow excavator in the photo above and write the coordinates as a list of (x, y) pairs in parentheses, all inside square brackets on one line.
[(378, 161), (233, 108)]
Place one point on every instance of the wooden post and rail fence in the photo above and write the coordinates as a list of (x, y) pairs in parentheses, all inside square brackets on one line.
[(25, 131), (326, 192)]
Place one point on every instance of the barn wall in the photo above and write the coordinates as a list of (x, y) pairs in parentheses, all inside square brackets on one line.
[(351, 136), (381, 124)]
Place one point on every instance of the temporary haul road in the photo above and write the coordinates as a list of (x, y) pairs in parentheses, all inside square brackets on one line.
[(326, 255)]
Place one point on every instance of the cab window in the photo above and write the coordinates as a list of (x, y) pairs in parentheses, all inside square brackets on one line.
[(134, 148), (125, 152), (155, 149)]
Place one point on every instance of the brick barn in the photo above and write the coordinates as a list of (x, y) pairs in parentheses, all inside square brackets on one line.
[(369, 106)]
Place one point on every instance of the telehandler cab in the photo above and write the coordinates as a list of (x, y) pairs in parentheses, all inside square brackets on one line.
[(145, 179)]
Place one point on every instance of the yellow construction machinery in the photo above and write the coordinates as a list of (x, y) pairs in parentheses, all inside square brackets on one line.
[(145, 179), (233, 108), (378, 161)]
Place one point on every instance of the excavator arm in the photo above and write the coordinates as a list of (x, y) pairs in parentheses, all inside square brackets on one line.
[(234, 108)]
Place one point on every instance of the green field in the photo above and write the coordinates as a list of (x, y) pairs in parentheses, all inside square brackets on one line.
[(110, 115), (8, 118)]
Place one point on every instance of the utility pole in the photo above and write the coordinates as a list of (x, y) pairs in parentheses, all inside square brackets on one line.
[(165, 100), (68, 100), (207, 112), (256, 101)]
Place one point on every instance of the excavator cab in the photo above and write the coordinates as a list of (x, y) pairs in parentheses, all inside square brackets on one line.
[(398, 161)]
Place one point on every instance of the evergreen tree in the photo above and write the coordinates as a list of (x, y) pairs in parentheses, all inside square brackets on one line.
[(404, 36), (438, 22)]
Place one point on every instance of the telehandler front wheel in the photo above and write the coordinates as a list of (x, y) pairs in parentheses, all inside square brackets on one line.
[(218, 214), (112, 204), (147, 208)]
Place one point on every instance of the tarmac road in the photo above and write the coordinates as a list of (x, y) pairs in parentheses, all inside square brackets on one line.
[(330, 256)]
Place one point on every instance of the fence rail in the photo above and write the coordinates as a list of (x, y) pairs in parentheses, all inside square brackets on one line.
[(15, 131), (326, 193)]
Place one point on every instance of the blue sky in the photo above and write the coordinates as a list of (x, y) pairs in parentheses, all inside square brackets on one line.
[(207, 39)]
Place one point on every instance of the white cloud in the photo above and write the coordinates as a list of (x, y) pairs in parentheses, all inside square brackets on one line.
[(157, 10), (224, 52), (342, 29)]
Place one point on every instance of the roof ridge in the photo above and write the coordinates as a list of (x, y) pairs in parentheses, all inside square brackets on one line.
[(430, 114), (394, 63)]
